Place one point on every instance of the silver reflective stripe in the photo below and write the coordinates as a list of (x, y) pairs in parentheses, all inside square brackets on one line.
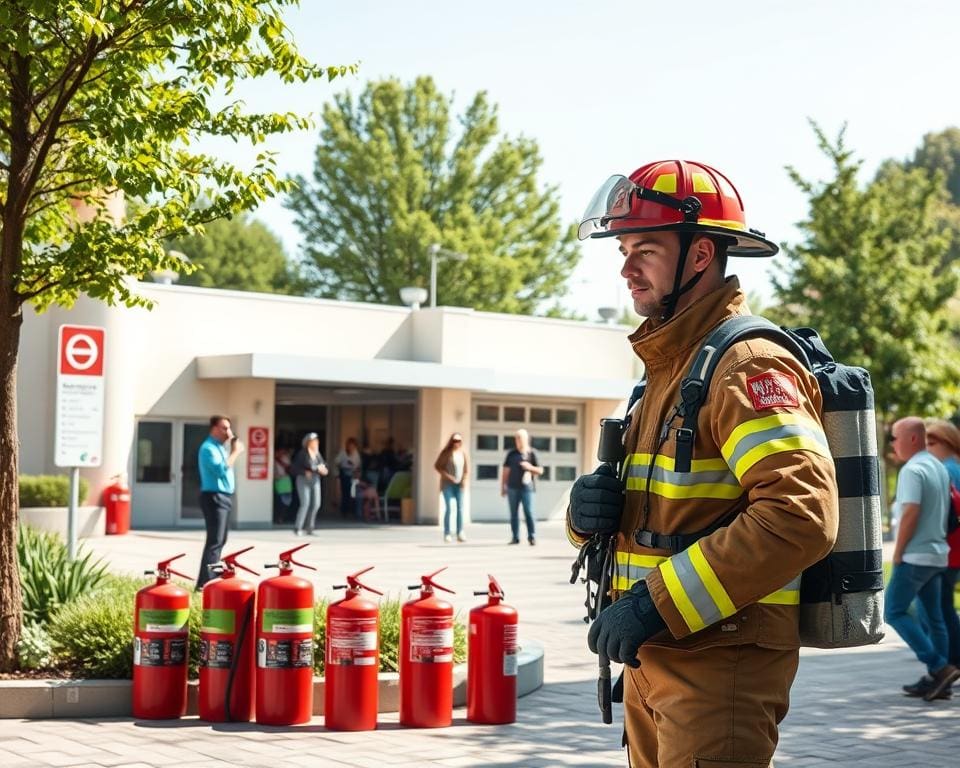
[(858, 529), (695, 589), (779, 432), (851, 433), (661, 475)]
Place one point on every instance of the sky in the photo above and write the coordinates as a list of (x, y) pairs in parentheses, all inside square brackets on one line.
[(605, 87)]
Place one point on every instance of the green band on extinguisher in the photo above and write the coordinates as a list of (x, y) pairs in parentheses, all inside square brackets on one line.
[(219, 621), (153, 620), (292, 620)]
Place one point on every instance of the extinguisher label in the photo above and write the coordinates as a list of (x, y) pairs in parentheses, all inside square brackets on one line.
[(218, 621), (216, 654), (352, 641), (288, 620), (164, 621), (284, 654), (431, 638), (509, 650), (159, 652)]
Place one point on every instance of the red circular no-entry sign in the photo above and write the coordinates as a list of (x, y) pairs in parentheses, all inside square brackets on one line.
[(81, 351)]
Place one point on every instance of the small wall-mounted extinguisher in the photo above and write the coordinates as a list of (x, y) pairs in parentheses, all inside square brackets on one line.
[(426, 658), (284, 680), (161, 646), (352, 659), (227, 645), (492, 660)]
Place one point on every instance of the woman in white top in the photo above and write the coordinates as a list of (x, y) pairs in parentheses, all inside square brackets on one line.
[(453, 466)]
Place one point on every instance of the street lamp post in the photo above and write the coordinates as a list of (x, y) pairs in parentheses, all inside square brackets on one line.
[(435, 251)]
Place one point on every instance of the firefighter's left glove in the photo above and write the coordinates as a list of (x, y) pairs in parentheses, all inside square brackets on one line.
[(623, 627), (596, 502)]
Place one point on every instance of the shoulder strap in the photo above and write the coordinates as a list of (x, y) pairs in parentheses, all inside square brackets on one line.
[(694, 387)]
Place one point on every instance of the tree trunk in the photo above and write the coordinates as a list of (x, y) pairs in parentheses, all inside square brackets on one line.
[(11, 612)]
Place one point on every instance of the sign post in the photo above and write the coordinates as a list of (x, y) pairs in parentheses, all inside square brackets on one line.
[(78, 436)]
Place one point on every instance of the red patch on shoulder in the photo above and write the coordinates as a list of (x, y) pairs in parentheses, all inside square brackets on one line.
[(773, 390)]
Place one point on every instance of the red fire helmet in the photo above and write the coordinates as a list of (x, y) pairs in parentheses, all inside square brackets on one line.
[(674, 195)]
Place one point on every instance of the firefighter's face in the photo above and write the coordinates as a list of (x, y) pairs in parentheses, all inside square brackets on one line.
[(649, 263)]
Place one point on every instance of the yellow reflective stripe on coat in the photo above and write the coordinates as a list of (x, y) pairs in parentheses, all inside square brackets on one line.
[(757, 439), (695, 589), (789, 595), (631, 568), (707, 478)]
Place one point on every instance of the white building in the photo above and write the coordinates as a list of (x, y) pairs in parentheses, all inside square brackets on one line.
[(293, 365)]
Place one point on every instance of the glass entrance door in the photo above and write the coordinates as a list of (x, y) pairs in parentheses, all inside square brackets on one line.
[(154, 483), (191, 434)]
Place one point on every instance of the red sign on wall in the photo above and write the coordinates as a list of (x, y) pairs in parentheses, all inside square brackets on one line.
[(258, 453), (81, 351)]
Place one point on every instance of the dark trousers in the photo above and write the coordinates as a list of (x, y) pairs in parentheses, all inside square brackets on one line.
[(216, 515), (948, 586)]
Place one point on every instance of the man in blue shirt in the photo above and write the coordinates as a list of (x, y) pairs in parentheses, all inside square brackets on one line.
[(217, 484), (919, 557)]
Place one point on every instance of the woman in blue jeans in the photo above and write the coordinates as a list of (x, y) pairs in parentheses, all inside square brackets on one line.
[(518, 484), (454, 467)]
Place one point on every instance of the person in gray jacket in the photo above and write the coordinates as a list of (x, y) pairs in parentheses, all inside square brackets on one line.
[(307, 468)]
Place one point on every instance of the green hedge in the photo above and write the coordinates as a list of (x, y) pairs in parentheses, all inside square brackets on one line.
[(48, 490)]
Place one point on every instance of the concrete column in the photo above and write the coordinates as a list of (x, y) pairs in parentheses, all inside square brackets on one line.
[(250, 403), (441, 412)]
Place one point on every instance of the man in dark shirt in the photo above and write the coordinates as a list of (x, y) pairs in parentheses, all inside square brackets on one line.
[(520, 467)]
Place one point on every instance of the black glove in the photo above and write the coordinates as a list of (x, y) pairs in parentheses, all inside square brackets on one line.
[(623, 627), (596, 502)]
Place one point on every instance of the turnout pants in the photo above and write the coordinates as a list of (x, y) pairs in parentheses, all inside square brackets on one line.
[(718, 707)]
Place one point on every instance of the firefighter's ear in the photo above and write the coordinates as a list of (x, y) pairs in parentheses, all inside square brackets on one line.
[(703, 251)]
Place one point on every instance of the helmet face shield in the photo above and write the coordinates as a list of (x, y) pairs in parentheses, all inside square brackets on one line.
[(611, 201)]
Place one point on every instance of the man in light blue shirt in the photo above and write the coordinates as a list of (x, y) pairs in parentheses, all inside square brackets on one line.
[(217, 484), (919, 557)]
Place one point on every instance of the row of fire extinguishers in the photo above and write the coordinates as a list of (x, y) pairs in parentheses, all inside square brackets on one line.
[(256, 652)]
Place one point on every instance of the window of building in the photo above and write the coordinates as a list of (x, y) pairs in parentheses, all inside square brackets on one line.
[(514, 413), (487, 442), (540, 443), (566, 445), (488, 413), (487, 471), (566, 474), (541, 416), (566, 416), (154, 441)]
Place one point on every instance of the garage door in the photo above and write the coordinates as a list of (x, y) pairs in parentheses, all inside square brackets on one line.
[(555, 434)]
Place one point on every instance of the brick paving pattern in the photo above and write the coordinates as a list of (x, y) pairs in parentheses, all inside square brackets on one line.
[(846, 711)]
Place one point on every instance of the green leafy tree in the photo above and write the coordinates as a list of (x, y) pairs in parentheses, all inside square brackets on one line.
[(240, 254), (100, 102), (393, 176), (869, 274)]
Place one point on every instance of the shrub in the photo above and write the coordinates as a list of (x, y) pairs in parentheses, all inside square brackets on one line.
[(48, 579), (49, 490), (34, 649), (93, 636)]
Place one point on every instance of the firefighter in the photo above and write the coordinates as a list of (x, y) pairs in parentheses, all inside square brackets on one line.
[(705, 575)]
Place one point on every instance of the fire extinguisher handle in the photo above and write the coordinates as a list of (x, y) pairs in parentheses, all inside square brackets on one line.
[(480, 592), (231, 561), (354, 582), (287, 557), (177, 573)]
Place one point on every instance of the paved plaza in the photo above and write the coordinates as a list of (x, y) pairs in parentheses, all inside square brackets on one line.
[(847, 709)]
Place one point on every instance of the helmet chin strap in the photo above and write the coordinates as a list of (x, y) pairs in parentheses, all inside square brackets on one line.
[(669, 302)]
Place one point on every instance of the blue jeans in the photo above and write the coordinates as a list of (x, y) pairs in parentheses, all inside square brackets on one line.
[(948, 585), (452, 493), (923, 583), (516, 497)]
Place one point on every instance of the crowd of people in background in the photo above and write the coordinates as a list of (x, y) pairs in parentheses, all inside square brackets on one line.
[(919, 600)]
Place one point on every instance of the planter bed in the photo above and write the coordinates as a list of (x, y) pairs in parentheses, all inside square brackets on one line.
[(41, 699)]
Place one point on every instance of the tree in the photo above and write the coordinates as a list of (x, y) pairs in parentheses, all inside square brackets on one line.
[(870, 275), (392, 177), (240, 254), (99, 102)]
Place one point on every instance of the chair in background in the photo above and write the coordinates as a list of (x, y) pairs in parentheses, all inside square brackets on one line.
[(398, 488)]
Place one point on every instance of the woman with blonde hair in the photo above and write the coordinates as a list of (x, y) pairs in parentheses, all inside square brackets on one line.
[(943, 441), (454, 467)]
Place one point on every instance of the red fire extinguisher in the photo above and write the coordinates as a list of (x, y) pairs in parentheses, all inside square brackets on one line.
[(226, 645), (116, 502), (492, 660), (161, 646), (426, 658), (352, 659), (285, 645)]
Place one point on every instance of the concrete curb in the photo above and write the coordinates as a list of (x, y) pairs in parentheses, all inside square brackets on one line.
[(44, 699)]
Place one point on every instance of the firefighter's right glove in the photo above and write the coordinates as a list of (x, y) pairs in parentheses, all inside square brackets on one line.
[(623, 627), (596, 502)]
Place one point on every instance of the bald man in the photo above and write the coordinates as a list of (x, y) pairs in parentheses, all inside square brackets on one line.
[(919, 557)]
